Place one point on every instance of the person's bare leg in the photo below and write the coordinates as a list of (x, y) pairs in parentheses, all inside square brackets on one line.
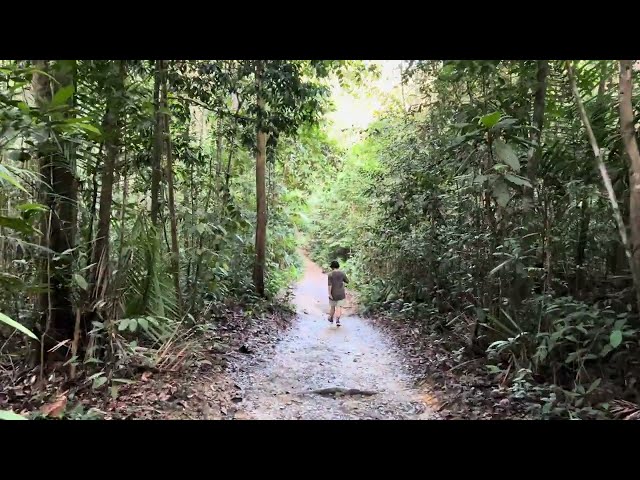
[(338, 314), (332, 311)]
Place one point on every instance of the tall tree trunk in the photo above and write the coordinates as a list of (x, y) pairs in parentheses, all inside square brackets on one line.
[(196, 274), (189, 200), (628, 131), (123, 207), (219, 159), (41, 86), (175, 246), (538, 123), (603, 79), (232, 146), (218, 182), (598, 153), (522, 285), (156, 172), (60, 196), (261, 199), (600, 130), (94, 202), (522, 107), (190, 205), (111, 129), (583, 232)]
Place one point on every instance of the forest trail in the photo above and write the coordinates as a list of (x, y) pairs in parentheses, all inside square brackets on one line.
[(321, 372)]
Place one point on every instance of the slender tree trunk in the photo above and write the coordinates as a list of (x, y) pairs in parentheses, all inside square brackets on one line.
[(522, 285), (94, 203), (189, 238), (60, 196), (261, 199), (628, 131), (232, 145), (196, 274), (189, 199), (583, 232), (41, 86), (523, 108), (603, 79), (538, 123), (219, 150), (218, 182), (546, 240), (175, 246), (111, 128), (156, 173), (622, 230), (123, 208), (599, 127)]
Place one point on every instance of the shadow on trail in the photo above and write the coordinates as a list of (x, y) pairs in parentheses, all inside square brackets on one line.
[(318, 371)]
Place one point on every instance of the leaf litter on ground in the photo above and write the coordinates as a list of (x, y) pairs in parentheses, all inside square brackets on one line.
[(184, 387)]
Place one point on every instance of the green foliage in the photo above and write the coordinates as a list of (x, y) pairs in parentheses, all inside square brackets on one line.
[(457, 212), (9, 415), (12, 323), (433, 211), (69, 119)]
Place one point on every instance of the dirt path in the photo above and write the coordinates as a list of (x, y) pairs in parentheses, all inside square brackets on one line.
[(319, 372)]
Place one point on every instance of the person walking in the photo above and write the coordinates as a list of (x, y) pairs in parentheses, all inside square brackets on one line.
[(337, 294)]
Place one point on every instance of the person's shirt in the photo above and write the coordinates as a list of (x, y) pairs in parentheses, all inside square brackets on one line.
[(337, 279)]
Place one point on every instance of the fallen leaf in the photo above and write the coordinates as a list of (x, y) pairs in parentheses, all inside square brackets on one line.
[(55, 408), (146, 376)]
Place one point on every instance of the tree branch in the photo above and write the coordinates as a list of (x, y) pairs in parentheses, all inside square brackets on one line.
[(622, 230)]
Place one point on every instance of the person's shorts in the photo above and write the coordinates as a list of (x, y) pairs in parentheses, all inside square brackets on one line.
[(336, 303)]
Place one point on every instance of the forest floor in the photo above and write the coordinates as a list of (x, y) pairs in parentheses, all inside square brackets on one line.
[(319, 371), (194, 384), (373, 368), (274, 364), (461, 387)]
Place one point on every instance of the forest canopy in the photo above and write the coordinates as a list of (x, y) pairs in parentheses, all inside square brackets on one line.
[(490, 205)]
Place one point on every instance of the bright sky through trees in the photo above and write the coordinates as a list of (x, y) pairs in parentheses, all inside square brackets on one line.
[(357, 110)]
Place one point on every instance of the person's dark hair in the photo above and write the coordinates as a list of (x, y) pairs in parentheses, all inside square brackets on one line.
[(335, 264)]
